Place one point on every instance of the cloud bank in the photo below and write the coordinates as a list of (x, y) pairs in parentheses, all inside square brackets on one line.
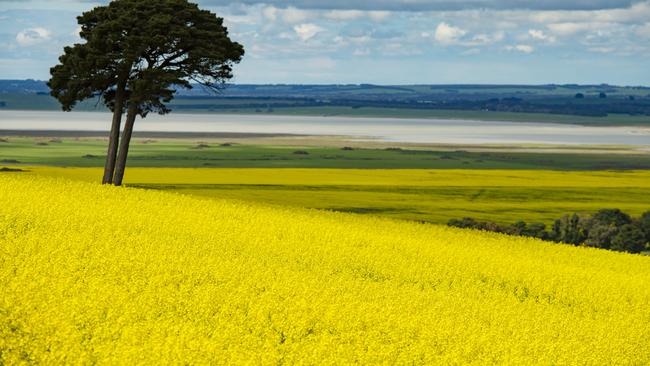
[(397, 41)]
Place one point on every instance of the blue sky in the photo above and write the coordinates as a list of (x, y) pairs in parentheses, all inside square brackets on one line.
[(385, 41)]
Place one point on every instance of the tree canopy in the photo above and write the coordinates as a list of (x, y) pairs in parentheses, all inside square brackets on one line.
[(606, 228), (136, 54)]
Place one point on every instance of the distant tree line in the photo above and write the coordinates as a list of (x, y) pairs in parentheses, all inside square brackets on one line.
[(320, 90), (609, 229), (582, 100), (600, 106)]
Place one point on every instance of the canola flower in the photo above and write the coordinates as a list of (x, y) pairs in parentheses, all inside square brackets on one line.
[(368, 177), (502, 196), (103, 275)]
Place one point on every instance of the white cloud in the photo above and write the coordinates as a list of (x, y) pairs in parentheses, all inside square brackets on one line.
[(270, 13), (540, 35), (288, 15), (307, 30), (447, 34), (571, 28), (524, 48), (76, 32), (638, 12), (598, 36), (293, 15), (450, 35), (32, 36), (349, 15), (248, 19), (378, 15), (485, 39)]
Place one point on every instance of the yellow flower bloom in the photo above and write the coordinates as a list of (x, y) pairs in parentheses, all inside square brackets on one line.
[(93, 274)]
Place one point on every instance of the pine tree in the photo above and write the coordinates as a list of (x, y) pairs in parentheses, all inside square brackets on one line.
[(136, 54)]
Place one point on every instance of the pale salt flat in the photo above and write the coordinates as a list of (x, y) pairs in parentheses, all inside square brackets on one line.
[(386, 129)]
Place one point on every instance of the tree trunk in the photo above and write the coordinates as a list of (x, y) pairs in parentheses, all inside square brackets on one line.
[(113, 139), (124, 143)]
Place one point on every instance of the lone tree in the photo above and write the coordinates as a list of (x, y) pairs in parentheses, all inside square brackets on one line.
[(135, 54)]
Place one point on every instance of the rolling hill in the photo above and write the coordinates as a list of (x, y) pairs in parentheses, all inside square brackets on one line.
[(102, 275)]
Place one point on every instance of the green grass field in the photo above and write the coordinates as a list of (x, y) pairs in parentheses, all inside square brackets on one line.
[(251, 153)]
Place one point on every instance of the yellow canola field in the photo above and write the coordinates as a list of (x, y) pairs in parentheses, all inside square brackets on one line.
[(103, 275), (368, 177)]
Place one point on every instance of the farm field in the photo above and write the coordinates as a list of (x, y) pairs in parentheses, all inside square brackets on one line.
[(436, 196), (290, 106), (317, 152), (432, 183), (93, 274)]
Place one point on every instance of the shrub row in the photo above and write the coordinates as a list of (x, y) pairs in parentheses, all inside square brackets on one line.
[(607, 229)]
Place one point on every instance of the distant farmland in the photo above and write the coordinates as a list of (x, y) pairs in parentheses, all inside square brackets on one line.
[(581, 104)]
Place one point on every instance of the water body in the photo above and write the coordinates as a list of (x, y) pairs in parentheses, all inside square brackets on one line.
[(387, 129)]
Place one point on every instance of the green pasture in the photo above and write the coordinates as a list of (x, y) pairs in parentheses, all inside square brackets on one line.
[(90, 152)]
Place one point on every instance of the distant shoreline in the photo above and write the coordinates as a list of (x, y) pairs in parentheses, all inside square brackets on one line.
[(394, 130), (612, 120), (142, 134)]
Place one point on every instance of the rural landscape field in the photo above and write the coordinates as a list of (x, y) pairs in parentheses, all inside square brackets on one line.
[(278, 183)]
